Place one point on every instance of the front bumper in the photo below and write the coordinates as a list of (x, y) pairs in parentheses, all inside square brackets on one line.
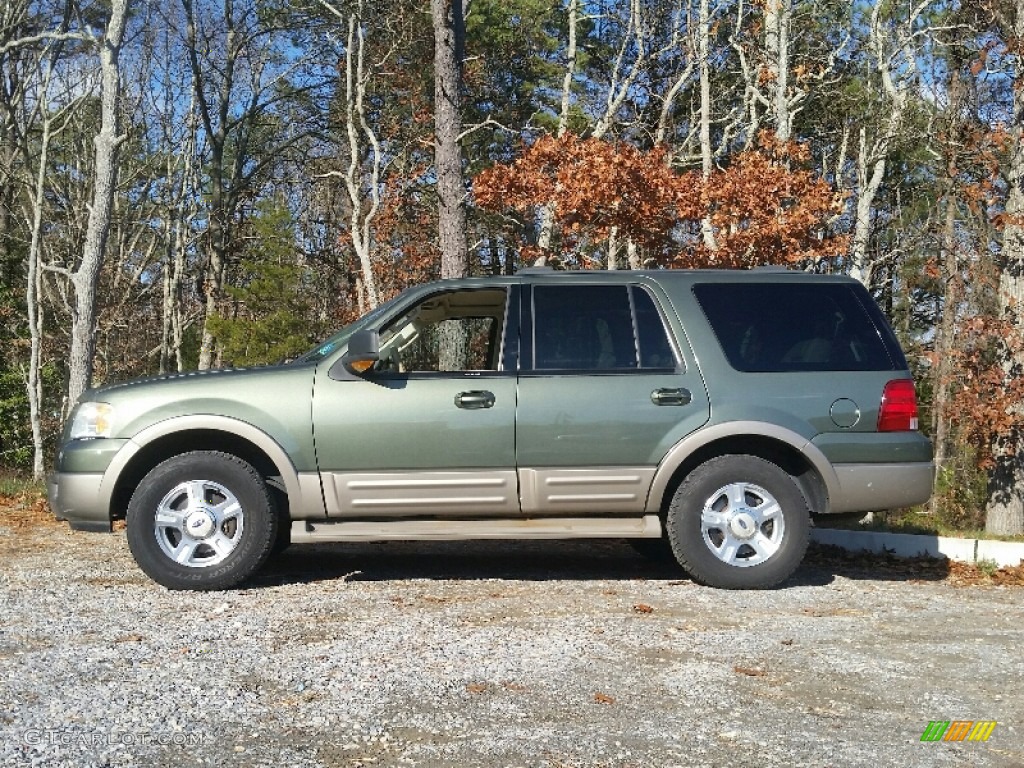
[(75, 497), (75, 488)]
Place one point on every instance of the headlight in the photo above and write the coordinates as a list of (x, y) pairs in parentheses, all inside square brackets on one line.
[(92, 420)]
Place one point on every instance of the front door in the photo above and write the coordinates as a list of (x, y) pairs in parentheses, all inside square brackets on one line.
[(604, 392), (430, 430)]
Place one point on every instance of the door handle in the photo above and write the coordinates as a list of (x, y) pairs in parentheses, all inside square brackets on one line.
[(678, 396), (477, 398)]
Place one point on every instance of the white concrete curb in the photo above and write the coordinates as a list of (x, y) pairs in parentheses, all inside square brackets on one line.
[(911, 545)]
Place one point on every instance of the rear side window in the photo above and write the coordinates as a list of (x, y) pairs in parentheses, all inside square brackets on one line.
[(598, 328), (773, 327), (653, 343)]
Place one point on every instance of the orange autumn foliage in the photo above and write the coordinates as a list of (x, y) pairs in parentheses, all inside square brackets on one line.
[(765, 207), (594, 186), (987, 386)]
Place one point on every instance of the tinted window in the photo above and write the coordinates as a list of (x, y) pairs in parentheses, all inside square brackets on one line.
[(598, 327), (580, 327), (655, 349), (793, 327)]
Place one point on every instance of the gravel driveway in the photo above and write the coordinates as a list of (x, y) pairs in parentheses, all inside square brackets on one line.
[(494, 654)]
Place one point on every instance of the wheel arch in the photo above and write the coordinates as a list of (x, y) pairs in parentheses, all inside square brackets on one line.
[(788, 450), (173, 437)]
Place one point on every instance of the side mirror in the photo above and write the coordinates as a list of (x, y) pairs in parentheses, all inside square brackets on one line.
[(363, 351)]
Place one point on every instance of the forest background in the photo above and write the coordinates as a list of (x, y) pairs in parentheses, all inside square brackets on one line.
[(201, 183)]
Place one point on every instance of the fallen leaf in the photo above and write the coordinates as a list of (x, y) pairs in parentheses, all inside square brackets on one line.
[(603, 698), (749, 671), (476, 687), (642, 608)]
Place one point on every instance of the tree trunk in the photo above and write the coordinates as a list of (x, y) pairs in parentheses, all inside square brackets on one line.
[(86, 277), (34, 305), (449, 33), (547, 212), (706, 155), (895, 55), (944, 342), (174, 266), (1004, 513), (217, 233), (869, 179), (777, 15), (223, 190), (357, 127), (949, 267)]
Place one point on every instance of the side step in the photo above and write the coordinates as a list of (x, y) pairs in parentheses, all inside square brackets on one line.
[(646, 527)]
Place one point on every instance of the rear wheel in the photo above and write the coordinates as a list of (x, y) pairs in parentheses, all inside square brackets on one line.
[(203, 520), (739, 522)]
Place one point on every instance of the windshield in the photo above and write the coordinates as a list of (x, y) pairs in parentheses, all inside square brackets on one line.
[(324, 348)]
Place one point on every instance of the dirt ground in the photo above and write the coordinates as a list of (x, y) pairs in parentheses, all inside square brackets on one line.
[(498, 654)]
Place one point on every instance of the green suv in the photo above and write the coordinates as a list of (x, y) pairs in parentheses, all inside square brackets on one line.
[(706, 414)]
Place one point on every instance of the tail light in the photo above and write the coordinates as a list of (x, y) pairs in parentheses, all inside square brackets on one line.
[(898, 411)]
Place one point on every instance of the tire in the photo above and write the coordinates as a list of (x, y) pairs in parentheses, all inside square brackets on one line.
[(739, 522), (282, 540), (655, 550), (201, 521)]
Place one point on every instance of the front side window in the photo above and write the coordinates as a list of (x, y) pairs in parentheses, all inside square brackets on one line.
[(598, 328), (451, 331)]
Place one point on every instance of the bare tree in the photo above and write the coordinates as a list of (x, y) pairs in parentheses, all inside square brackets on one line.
[(894, 45), (108, 140), (706, 153), (360, 133), (238, 80), (547, 212), (46, 123)]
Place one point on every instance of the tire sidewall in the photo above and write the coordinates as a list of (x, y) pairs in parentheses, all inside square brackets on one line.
[(686, 535), (257, 535)]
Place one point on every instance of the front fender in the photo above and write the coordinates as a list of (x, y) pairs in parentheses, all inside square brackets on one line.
[(303, 489)]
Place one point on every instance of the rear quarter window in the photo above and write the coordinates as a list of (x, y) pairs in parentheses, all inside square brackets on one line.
[(777, 327)]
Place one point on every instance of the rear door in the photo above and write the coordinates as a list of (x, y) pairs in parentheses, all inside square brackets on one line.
[(604, 392)]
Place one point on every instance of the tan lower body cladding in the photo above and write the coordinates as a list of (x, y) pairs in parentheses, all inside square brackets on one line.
[(489, 493)]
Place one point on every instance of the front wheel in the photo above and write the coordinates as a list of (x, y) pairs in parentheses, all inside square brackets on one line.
[(202, 520), (739, 522)]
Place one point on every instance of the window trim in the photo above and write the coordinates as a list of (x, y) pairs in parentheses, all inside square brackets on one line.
[(511, 291)]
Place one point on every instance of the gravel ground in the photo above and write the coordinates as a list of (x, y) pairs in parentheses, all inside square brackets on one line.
[(494, 654)]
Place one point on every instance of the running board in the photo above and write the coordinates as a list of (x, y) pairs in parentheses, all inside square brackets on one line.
[(646, 527)]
